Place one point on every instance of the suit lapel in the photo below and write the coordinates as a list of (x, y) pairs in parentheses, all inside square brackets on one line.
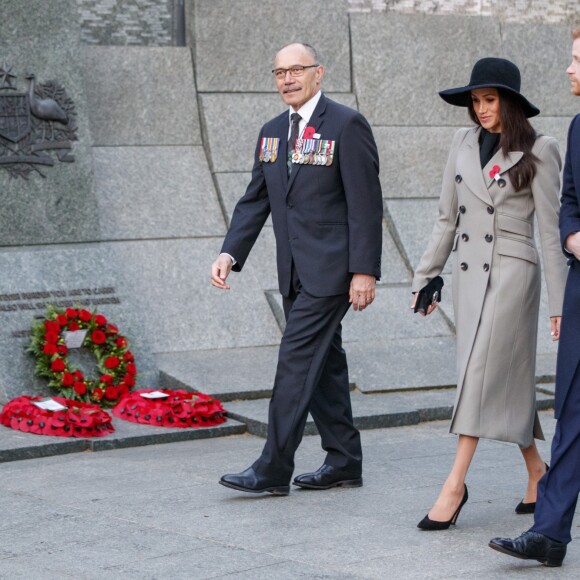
[(316, 121)]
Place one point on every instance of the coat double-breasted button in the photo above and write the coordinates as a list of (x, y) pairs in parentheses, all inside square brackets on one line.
[(458, 178), (465, 237), (485, 267), (462, 209), (490, 210), (501, 182), (488, 238), (463, 266)]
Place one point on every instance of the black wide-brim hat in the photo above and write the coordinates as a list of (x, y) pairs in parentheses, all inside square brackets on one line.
[(495, 73)]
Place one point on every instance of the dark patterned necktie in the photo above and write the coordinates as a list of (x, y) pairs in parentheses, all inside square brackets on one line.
[(294, 133)]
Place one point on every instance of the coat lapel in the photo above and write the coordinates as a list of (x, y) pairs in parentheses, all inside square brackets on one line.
[(471, 168), (316, 121), (477, 179), (504, 162)]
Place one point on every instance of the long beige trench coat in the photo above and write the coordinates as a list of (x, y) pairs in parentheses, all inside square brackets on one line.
[(487, 227)]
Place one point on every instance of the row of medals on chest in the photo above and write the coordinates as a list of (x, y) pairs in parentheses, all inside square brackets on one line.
[(307, 151), (313, 152)]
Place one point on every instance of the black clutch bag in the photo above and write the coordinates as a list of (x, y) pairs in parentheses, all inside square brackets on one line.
[(429, 295)]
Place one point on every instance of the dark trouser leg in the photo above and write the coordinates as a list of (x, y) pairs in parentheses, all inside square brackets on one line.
[(558, 490), (340, 439), (311, 328)]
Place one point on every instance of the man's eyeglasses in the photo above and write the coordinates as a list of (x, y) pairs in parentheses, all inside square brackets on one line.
[(295, 71)]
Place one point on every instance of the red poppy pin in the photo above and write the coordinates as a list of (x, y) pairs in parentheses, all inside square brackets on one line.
[(494, 172), (308, 133)]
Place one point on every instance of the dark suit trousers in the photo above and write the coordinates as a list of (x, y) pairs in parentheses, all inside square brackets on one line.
[(558, 490), (312, 376)]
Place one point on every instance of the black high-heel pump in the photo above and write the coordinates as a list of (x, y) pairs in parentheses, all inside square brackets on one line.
[(528, 508), (431, 525)]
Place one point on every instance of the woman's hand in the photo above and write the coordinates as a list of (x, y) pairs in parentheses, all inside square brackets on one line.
[(555, 323), (430, 309)]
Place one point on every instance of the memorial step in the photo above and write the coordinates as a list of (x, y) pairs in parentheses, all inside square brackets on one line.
[(16, 445), (376, 411)]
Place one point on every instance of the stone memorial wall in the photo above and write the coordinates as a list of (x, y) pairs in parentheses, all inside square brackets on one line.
[(137, 187)]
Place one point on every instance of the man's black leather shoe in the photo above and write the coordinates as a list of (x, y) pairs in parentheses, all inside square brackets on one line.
[(328, 476), (252, 482), (532, 546)]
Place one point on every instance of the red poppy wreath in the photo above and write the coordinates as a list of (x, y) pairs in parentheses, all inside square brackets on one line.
[(169, 408), (115, 362), (76, 420)]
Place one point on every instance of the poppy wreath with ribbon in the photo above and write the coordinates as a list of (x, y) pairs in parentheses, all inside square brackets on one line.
[(77, 420), (178, 409), (115, 362)]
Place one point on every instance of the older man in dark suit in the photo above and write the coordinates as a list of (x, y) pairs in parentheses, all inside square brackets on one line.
[(558, 490), (316, 171)]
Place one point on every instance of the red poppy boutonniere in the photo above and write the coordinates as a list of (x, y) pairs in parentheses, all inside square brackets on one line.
[(494, 172), (309, 132)]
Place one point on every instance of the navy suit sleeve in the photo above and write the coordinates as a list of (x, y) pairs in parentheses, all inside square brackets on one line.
[(359, 170), (570, 210), (250, 214)]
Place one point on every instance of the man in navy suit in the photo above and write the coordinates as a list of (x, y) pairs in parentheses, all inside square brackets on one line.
[(558, 490), (316, 172)]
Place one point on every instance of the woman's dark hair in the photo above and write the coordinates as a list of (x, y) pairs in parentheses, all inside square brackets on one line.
[(517, 134)]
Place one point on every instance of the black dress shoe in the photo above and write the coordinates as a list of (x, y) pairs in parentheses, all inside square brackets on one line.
[(252, 482), (328, 476), (532, 546), (528, 508), (433, 525)]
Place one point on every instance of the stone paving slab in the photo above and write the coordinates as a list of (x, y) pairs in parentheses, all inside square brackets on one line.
[(16, 445), (374, 367), (141, 96), (405, 169), (155, 192), (248, 373), (414, 220), (411, 363), (155, 512), (235, 48), (369, 411), (375, 411), (413, 57), (550, 44)]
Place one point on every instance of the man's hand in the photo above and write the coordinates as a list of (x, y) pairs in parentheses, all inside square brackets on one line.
[(220, 270), (362, 291), (572, 244)]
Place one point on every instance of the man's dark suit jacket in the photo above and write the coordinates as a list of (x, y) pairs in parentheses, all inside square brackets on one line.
[(569, 351), (327, 219)]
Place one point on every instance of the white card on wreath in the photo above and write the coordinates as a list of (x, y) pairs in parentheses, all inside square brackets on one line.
[(49, 405), (154, 395), (74, 338)]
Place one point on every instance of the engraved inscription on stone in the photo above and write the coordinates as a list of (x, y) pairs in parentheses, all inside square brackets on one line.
[(34, 125), (38, 301)]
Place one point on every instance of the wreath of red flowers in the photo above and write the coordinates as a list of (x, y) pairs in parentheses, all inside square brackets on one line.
[(77, 420), (115, 361), (178, 409)]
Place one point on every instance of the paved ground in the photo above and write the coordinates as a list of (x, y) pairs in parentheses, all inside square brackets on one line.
[(157, 512)]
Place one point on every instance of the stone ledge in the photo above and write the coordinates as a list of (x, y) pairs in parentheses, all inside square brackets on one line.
[(16, 445), (373, 411)]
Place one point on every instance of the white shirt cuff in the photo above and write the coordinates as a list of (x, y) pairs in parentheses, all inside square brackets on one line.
[(230, 257)]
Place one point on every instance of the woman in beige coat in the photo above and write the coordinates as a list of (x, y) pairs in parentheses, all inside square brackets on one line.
[(498, 174)]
